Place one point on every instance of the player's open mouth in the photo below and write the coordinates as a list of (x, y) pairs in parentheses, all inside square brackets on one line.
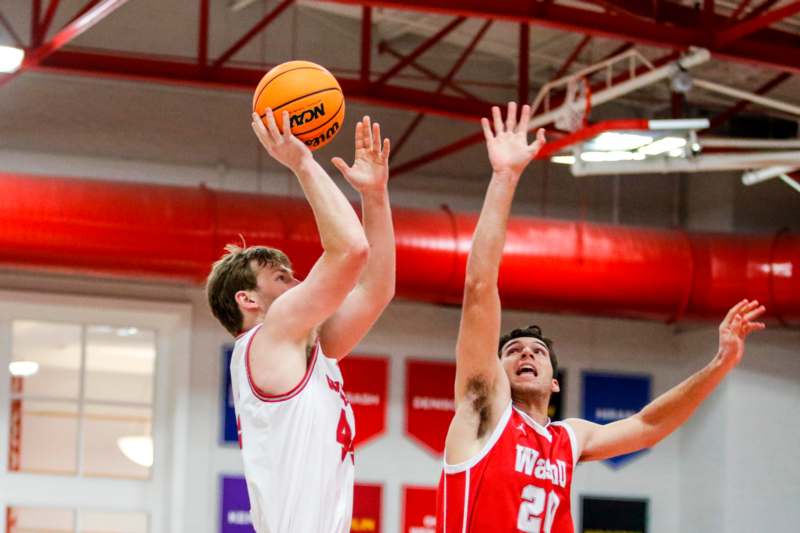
[(527, 369)]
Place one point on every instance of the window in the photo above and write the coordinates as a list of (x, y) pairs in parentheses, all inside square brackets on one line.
[(92, 394)]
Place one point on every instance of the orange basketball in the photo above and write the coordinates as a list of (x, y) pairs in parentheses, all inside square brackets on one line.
[(310, 94)]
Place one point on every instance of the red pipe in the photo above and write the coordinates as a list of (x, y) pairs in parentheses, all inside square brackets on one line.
[(170, 232)]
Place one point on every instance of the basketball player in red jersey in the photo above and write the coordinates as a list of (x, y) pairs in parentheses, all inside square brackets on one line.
[(507, 467)]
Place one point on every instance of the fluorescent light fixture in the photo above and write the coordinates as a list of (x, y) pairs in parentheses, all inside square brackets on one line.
[(137, 448), (612, 140), (663, 145), (23, 369), (677, 152), (679, 124), (10, 58), (597, 157), (563, 159), (127, 332)]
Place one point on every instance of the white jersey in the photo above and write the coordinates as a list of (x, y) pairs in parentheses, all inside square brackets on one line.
[(297, 447)]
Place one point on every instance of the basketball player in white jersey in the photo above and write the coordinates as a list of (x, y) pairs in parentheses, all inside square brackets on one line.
[(296, 425), (507, 468)]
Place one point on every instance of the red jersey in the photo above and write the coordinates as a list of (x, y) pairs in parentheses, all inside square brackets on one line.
[(520, 481)]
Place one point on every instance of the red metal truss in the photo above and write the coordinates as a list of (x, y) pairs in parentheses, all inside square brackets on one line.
[(245, 79), (443, 83), (255, 30), (85, 20), (421, 49), (10, 29), (678, 26), (747, 27), (740, 106)]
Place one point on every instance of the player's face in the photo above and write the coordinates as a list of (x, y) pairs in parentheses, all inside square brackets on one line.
[(526, 361), (273, 281)]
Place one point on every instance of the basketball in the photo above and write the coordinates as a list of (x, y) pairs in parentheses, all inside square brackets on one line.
[(311, 95)]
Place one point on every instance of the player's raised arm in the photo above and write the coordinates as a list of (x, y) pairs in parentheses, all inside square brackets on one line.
[(295, 313), (369, 175), (669, 411), (477, 367)]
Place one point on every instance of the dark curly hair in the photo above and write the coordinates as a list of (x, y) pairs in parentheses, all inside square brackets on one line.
[(531, 331)]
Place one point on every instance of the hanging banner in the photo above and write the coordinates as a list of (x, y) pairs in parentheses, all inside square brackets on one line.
[(234, 510), (228, 431), (606, 515), (366, 382), (429, 401), (556, 408), (366, 508), (419, 510), (608, 397)]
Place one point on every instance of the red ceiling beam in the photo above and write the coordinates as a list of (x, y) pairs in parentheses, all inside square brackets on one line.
[(681, 26), (255, 30), (739, 10), (574, 55), (69, 32), (36, 15), (366, 43), (523, 75), (443, 83), (740, 106), (421, 49), (44, 26), (385, 47), (202, 37), (10, 29), (190, 74), (765, 5), (754, 24)]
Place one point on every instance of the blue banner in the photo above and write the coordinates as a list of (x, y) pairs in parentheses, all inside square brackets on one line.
[(234, 511), (608, 397), (229, 431)]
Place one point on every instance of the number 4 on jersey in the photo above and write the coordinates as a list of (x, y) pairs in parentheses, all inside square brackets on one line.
[(344, 436), (529, 518)]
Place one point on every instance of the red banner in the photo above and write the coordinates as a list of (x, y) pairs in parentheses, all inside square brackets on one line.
[(366, 508), (419, 510), (429, 401), (366, 383)]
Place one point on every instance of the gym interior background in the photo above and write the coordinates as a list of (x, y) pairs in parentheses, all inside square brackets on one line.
[(121, 429)]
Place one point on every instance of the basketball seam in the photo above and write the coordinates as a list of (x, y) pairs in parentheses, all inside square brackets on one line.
[(335, 114), (300, 98), (281, 74)]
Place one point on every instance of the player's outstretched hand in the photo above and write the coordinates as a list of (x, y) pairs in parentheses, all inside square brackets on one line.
[(370, 170), (734, 329), (283, 147), (508, 146)]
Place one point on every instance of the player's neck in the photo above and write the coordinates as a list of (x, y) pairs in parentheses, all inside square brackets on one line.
[(534, 406)]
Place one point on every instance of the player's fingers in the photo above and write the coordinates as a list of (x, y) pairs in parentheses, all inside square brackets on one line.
[(498, 120), (272, 127), (733, 310), (287, 125), (755, 313), (367, 132), (524, 119), (536, 145), (387, 149), (376, 138), (755, 326), (359, 135), (511, 117), (487, 129), (340, 165)]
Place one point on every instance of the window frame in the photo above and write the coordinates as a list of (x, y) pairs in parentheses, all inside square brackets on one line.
[(161, 496)]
